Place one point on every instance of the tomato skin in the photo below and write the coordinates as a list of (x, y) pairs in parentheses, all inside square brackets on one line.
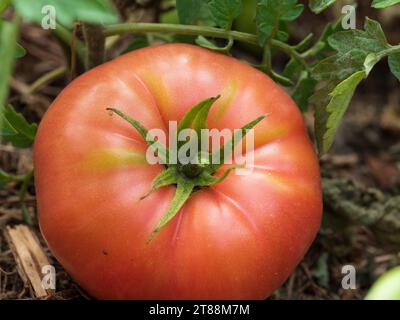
[(239, 239)]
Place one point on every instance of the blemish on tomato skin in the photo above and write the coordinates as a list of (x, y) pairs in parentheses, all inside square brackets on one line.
[(104, 252)]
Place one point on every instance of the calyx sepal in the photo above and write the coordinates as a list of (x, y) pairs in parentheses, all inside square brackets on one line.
[(189, 177)]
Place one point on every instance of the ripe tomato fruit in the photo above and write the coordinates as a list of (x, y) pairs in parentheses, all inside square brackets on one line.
[(238, 239)]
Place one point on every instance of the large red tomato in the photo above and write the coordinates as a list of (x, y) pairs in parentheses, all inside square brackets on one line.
[(238, 239)]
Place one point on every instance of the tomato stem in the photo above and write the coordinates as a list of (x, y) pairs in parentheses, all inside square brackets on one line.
[(191, 170), (66, 36), (95, 45), (165, 28), (45, 79)]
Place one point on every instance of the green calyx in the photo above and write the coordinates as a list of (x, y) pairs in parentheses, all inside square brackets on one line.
[(199, 171)]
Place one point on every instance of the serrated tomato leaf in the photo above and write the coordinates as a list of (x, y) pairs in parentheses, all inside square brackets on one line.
[(331, 104), (339, 66), (15, 128), (225, 11), (303, 91), (353, 47), (372, 39), (370, 61), (394, 64), (292, 69), (317, 6), (193, 11), (270, 13)]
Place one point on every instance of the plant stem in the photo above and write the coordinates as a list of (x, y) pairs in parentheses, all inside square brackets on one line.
[(66, 36), (126, 28), (19, 178), (95, 45), (21, 194), (46, 78), (267, 58), (8, 38), (25, 179)]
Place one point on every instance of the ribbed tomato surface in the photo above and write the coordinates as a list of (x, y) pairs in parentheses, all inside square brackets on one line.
[(239, 239)]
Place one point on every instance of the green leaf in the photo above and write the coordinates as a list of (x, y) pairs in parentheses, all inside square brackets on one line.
[(292, 69), (380, 4), (137, 43), (96, 11), (394, 64), (15, 129), (317, 6), (270, 13), (282, 36), (330, 108), (339, 66), (303, 91), (20, 51), (193, 11), (371, 40), (225, 11), (321, 271), (353, 47), (330, 29), (370, 61), (5, 178), (375, 31), (4, 4), (293, 13), (8, 38)]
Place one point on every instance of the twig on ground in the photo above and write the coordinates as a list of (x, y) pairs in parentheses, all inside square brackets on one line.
[(29, 256)]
